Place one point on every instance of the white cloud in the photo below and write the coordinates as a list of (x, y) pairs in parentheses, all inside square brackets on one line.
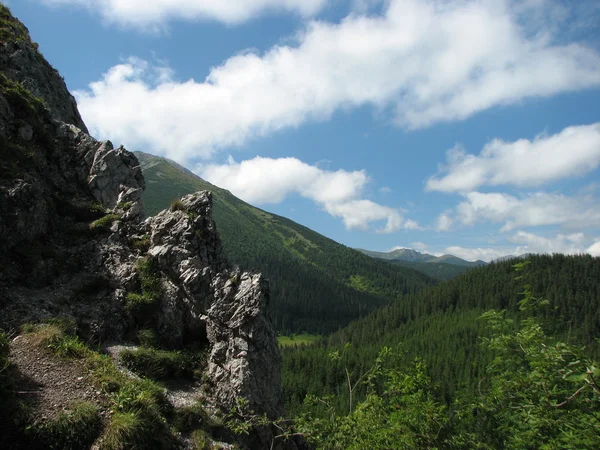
[(478, 253), (267, 180), (532, 210), (594, 249), (561, 243), (144, 13), (385, 190), (422, 61), (572, 152), (575, 243), (443, 222), (419, 246)]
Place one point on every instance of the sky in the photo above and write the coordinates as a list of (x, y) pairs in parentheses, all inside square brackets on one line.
[(456, 126)]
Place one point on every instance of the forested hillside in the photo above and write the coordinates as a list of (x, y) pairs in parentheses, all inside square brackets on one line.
[(440, 325), (317, 285), (438, 270)]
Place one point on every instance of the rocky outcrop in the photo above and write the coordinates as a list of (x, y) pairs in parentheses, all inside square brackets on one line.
[(204, 299), (244, 359), (73, 240), (20, 61)]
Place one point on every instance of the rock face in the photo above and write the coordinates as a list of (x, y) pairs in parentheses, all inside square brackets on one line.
[(20, 61), (206, 300), (244, 359), (73, 239)]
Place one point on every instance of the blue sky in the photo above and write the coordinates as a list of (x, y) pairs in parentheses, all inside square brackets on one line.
[(464, 127)]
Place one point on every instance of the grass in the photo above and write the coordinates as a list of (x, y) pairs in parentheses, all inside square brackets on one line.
[(143, 305), (148, 337), (125, 205), (297, 339), (142, 398), (177, 205), (74, 429), (141, 243), (104, 223), (159, 364)]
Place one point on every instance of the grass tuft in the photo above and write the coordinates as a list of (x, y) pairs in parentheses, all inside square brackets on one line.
[(177, 205), (104, 223), (74, 429), (160, 364)]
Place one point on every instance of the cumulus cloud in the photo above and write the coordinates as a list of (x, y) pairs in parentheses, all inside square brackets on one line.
[(574, 243), (268, 180), (572, 152), (423, 62), (531, 210), (594, 249), (443, 222), (144, 13)]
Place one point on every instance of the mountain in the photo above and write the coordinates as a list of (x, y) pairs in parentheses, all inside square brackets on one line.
[(437, 270), (441, 324), (410, 255), (317, 285), (88, 287)]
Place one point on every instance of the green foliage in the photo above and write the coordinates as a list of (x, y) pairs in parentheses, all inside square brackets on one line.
[(177, 205), (76, 428), (104, 223), (541, 393), (309, 274), (437, 270), (160, 364), (398, 412), (440, 325)]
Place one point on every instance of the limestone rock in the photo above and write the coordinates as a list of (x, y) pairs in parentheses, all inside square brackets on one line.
[(244, 359)]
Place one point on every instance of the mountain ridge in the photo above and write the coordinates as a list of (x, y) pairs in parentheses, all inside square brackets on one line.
[(411, 255), (317, 284)]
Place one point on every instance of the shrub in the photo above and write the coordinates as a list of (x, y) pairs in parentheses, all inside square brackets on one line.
[(177, 205)]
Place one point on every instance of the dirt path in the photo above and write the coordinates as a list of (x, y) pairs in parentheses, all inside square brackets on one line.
[(50, 384)]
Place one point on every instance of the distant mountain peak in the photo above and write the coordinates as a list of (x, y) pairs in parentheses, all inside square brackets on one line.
[(411, 255)]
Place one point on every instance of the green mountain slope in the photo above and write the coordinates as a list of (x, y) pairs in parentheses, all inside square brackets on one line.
[(438, 270), (317, 285), (440, 324)]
